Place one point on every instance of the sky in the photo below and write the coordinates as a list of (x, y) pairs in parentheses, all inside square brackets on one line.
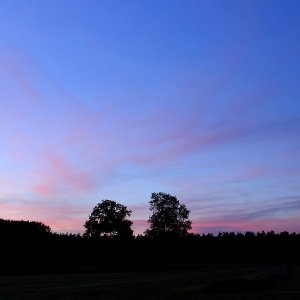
[(119, 99)]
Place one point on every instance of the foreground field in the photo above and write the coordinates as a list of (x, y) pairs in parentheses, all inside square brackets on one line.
[(187, 282)]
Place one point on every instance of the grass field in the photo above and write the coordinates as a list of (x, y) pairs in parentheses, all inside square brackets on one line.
[(188, 282)]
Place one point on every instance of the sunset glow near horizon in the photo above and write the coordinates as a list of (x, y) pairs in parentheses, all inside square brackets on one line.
[(119, 99)]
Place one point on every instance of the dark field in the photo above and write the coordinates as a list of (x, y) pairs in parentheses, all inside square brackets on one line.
[(185, 282)]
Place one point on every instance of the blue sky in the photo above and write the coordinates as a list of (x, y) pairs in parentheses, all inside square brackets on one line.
[(119, 99)]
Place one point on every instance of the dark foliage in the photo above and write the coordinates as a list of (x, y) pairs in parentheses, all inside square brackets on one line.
[(52, 252), (169, 217), (108, 244), (23, 229), (109, 220)]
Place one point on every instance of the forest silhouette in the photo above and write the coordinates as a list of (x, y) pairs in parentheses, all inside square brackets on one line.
[(109, 244)]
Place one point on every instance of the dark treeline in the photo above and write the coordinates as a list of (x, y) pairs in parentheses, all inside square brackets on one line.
[(43, 251), (109, 244), (10, 229)]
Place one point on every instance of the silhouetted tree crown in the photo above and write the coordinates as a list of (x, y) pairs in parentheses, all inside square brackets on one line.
[(109, 219), (169, 217)]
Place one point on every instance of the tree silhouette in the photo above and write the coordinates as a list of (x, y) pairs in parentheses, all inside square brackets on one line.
[(169, 217), (109, 219)]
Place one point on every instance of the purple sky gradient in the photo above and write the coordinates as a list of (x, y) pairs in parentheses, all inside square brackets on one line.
[(116, 100)]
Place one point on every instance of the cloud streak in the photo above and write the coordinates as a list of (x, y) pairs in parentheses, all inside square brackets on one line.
[(214, 123)]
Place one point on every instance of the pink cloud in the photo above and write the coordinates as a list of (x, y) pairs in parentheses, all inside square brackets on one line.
[(278, 225), (276, 214), (59, 175), (92, 145), (139, 226), (14, 67), (71, 224), (61, 215)]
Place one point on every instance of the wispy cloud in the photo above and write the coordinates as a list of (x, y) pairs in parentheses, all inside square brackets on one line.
[(254, 215), (15, 69), (70, 147), (277, 225), (58, 176)]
